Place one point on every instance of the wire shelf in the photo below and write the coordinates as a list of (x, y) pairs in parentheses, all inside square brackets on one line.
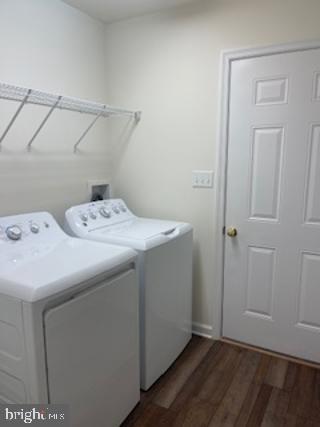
[(31, 96)]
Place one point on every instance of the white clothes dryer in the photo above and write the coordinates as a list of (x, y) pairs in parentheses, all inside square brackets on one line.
[(165, 268), (69, 322)]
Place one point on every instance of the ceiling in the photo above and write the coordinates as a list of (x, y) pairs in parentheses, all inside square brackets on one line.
[(116, 10)]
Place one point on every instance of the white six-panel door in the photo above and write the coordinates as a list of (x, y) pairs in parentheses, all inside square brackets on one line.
[(272, 266)]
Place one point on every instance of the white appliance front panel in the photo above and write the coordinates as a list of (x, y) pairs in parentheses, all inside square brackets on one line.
[(13, 375), (272, 267), (92, 344), (166, 306)]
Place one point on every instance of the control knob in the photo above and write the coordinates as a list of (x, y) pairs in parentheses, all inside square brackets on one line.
[(14, 232), (93, 215), (104, 212), (34, 228), (116, 210), (84, 217)]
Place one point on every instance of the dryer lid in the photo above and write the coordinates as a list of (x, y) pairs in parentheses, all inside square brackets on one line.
[(45, 262)]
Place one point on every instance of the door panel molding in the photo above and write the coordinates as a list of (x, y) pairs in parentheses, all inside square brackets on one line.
[(312, 198), (309, 287), (266, 143), (271, 91), (227, 58), (260, 267)]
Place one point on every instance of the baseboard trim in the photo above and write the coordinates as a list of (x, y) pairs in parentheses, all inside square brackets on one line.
[(271, 353), (202, 330)]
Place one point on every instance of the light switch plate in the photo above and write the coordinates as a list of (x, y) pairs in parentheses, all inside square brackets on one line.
[(202, 179)]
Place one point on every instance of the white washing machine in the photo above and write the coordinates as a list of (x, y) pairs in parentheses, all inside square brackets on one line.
[(165, 267), (69, 322)]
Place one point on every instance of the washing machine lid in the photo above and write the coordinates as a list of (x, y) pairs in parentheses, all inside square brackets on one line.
[(143, 229), (47, 262), (141, 233)]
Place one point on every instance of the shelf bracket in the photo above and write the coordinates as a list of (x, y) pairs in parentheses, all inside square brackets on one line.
[(16, 114), (43, 123), (75, 148), (137, 116)]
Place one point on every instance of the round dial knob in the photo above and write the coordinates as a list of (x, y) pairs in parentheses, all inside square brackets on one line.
[(104, 212), (34, 228), (14, 232), (93, 215), (84, 217), (123, 208), (116, 210)]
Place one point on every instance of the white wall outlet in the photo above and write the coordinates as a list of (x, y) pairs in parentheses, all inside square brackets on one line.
[(202, 179)]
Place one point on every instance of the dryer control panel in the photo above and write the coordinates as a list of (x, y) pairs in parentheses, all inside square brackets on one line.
[(29, 228), (95, 215), (27, 237)]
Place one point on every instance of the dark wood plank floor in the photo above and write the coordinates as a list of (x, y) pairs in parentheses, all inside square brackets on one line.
[(217, 384)]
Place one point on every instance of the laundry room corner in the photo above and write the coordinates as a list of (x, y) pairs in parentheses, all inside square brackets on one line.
[(51, 47)]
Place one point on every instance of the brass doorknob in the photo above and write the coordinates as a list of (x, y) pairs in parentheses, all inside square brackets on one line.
[(232, 232)]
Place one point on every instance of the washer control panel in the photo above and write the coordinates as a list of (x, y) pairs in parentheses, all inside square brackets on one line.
[(91, 216), (28, 228)]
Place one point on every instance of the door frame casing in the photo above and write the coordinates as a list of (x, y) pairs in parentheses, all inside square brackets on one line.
[(227, 58)]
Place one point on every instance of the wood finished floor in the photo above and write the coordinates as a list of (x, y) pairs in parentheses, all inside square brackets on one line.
[(217, 384)]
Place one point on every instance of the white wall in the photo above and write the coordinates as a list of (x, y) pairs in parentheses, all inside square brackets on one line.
[(167, 65), (50, 46)]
